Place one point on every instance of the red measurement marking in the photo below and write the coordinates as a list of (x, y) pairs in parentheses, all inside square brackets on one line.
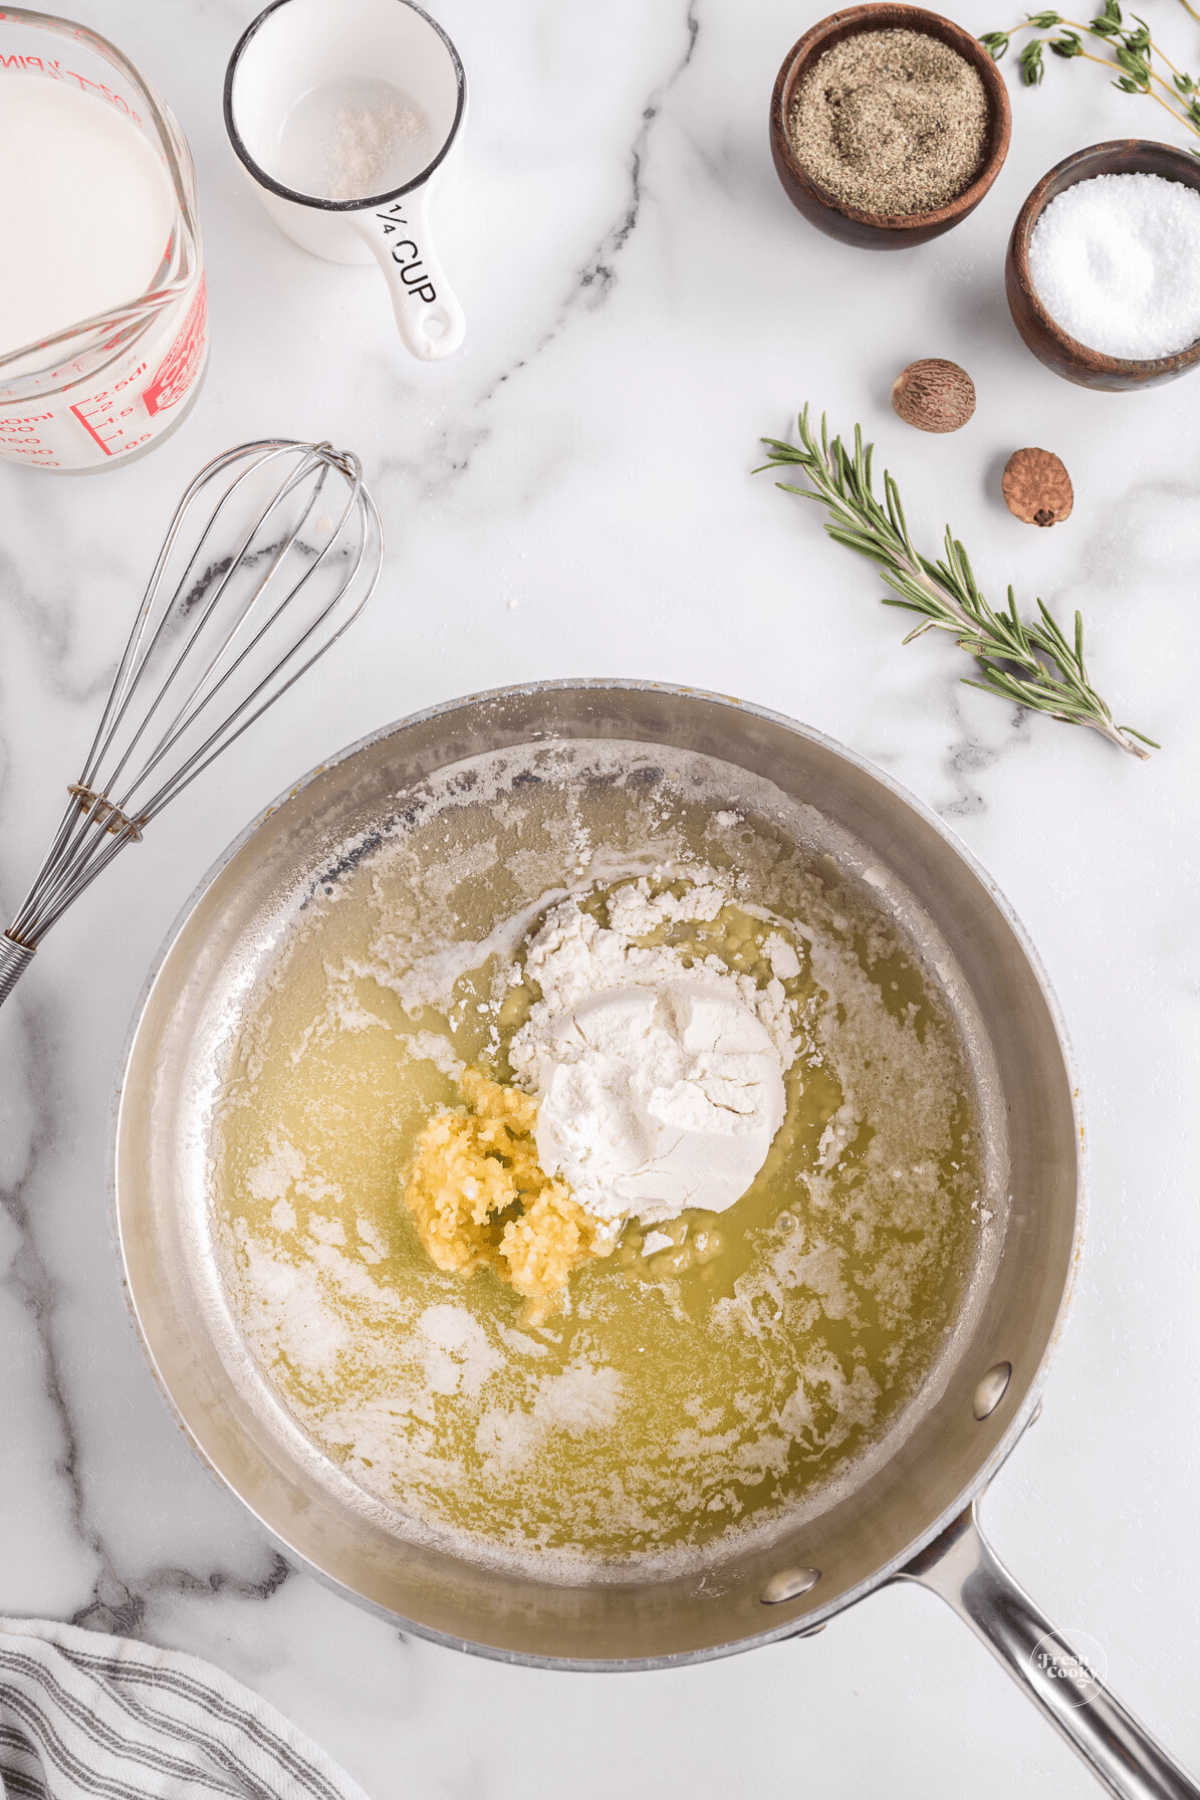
[(180, 365), (55, 72), (91, 430), (99, 417), (170, 383)]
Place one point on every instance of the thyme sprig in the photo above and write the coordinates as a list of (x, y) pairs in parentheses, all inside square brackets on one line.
[(1131, 51), (1033, 664)]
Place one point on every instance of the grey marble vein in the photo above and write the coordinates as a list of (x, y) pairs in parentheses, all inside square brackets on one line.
[(967, 758), (599, 274), (30, 1276), (451, 456), (120, 1607), (597, 278)]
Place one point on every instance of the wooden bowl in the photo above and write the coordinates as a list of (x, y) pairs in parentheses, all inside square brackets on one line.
[(883, 231), (1048, 341)]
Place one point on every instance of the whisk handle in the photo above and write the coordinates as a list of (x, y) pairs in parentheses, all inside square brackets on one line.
[(14, 960)]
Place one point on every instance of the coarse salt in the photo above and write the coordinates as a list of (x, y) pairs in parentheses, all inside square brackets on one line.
[(1115, 261)]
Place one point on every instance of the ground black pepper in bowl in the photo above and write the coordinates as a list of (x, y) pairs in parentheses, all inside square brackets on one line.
[(892, 122)]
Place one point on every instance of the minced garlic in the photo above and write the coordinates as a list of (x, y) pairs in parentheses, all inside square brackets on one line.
[(480, 1198)]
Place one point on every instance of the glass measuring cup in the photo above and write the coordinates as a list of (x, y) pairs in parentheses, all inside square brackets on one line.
[(347, 116), (80, 393)]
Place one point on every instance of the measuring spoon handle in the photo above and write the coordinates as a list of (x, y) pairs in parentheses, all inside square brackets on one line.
[(427, 311)]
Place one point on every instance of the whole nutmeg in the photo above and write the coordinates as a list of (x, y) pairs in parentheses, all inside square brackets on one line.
[(1037, 487), (934, 395)]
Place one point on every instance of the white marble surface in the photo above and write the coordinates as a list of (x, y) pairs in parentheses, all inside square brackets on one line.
[(571, 496)]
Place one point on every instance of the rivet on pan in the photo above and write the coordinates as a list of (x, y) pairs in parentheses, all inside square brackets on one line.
[(991, 1390), (810, 1632), (789, 1584), (1036, 1414)]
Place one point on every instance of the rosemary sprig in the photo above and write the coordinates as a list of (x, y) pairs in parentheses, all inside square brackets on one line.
[(1131, 52), (1034, 665)]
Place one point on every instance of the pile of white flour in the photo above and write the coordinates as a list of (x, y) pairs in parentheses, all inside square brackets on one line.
[(659, 1085)]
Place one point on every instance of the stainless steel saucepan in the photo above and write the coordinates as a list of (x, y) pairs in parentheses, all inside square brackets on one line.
[(911, 1518)]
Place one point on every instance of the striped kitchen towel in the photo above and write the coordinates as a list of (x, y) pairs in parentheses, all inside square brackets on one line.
[(86, 1717)]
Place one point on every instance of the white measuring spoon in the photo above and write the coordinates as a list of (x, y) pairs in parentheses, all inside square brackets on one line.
[(347, 116)]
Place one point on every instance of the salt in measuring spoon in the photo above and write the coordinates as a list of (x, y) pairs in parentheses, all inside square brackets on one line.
[(347, 116)]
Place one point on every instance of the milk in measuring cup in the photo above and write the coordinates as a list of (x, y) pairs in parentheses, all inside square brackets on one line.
[(67, 156), (90, 225)]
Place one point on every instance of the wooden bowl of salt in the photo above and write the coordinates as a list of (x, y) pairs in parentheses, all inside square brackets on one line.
[(855, 223), (1042, 332)]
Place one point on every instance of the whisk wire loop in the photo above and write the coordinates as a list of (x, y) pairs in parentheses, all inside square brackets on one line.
[(195, 698), (232, 663), (237, 627)]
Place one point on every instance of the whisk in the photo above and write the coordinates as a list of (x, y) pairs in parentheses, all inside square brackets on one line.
[(243, 599)]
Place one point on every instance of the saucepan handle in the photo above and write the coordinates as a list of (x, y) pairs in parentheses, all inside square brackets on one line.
[(961, 1567)]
